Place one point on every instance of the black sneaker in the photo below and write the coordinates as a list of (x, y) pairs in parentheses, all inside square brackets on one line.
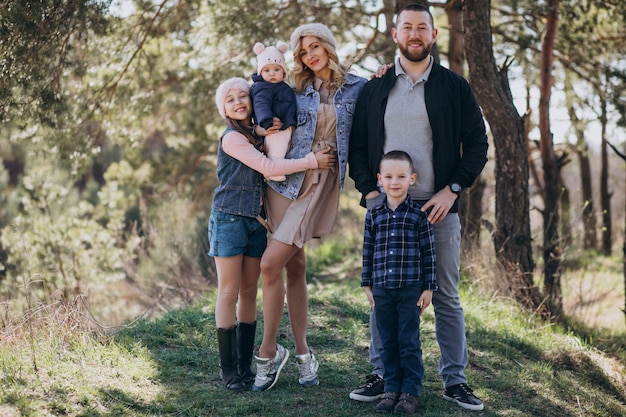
[(372, 390), (464, 397)]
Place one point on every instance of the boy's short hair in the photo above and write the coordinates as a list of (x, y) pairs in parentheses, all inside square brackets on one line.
[(397, 155)]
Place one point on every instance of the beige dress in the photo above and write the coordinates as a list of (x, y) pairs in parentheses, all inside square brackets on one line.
[(313, 213)]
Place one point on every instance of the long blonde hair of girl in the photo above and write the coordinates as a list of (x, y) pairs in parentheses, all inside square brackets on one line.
[(303, 75)]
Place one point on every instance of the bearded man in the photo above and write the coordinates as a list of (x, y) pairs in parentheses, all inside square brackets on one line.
[(424, 109)]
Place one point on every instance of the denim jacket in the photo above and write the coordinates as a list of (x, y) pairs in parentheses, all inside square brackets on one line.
[(302, 138), (240, 186)]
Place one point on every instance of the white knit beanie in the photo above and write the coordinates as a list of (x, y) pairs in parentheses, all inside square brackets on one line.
[(235, 83), (270, 55), (312, 29)]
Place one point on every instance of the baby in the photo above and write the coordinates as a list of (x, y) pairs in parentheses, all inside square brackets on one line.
[(273, 97)]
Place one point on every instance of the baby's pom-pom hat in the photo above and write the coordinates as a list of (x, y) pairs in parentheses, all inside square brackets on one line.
[(270, 55)]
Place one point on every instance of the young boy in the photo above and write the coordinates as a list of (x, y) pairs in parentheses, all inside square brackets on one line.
[(273, 97), (399, 280)]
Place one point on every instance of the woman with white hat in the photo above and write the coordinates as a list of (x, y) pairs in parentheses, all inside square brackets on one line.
[(305, 205)]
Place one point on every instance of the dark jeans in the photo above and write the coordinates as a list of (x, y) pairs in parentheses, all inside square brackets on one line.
[(398, 321), (449, 317)]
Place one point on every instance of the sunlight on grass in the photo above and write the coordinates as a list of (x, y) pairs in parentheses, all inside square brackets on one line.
[(594, 292), (84, 375), (167, 365)]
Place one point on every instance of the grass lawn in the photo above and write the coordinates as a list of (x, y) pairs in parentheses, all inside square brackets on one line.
[(167, 366)]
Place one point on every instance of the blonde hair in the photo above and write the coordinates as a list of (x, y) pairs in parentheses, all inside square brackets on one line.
[(303, 75)]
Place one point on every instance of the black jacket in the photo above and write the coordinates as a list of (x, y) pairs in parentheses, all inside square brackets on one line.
[(459, 137), (271, 100)]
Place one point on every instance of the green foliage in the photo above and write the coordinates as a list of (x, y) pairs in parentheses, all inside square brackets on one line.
[(589, 33), (62, 242), (38, 44), (118, 114)]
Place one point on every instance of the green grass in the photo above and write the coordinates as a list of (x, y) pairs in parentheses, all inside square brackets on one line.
[(167, 366)]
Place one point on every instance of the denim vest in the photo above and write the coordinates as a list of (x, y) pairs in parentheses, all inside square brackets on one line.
[(302, 139), (240, 186)]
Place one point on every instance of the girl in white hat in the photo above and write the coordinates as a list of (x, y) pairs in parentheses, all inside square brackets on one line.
[(237, 228)]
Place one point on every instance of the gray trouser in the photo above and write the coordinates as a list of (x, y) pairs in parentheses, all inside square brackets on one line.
[(449, 319)]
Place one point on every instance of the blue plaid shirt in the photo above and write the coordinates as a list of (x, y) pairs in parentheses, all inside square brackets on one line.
[(398, 247)]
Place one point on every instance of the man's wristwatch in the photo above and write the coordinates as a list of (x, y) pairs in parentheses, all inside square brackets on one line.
[(455, 188)]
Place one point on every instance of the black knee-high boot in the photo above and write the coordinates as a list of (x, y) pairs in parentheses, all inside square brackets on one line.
[(227, 344), (245, 338)]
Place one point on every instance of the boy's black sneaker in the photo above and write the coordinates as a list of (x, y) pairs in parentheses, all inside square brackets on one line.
[(372, 390), (464, 397)]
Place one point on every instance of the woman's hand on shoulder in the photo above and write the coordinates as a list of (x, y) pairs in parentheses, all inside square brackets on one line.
[(326, 158), (382, 70)]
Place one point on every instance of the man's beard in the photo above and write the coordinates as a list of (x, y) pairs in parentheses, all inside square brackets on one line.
[(415, 56)]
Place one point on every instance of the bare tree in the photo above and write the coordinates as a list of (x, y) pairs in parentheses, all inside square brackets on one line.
[(605, 194), (581, 149), (456, 51), (470, 204), (511, 235), (552, 183), (623, 156)]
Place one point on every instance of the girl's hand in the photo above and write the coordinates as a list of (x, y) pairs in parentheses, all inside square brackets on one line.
[(276, 125), (326, 158), (382, 70)]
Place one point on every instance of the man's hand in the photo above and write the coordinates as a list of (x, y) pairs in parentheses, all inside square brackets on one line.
[(372, 194), (439, 205)]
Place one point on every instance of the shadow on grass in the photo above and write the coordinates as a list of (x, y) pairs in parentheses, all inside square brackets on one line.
[(520, 375), (514, 376)]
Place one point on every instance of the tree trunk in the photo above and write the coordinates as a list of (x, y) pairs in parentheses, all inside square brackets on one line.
[(605, 196), (454, 11), (551, 249), (511, 236), (566, 216), (390, 12), (590, 240), (623, 156), (470, 204), (470, 214)]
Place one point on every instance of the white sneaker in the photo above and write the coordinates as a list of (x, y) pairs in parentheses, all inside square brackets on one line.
[(268, 370), (307, 369)]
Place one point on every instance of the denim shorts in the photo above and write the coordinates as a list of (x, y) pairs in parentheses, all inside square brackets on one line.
[(232, 235)]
